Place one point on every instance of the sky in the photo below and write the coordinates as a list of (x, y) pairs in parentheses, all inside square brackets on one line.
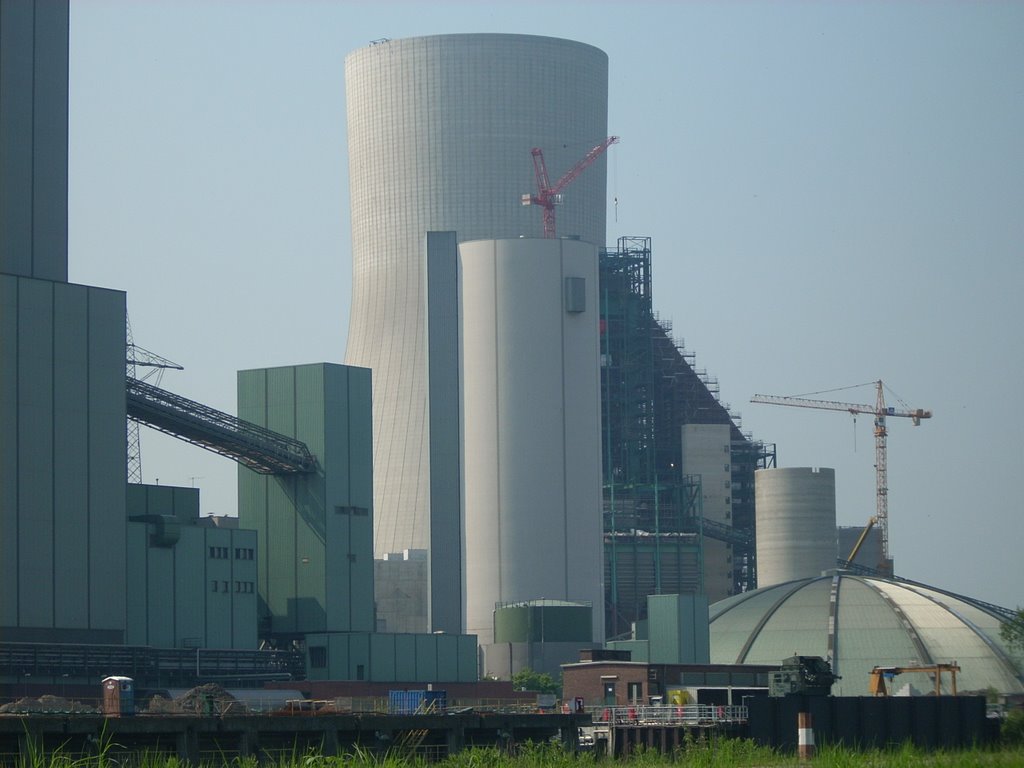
[(834, 193)]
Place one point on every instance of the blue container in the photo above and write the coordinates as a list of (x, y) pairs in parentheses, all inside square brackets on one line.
[(416, 702)]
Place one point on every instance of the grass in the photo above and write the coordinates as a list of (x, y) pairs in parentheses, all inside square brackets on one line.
[(723, 753)]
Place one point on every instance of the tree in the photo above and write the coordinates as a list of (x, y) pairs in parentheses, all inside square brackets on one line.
[(1012, 631), (528, 680)]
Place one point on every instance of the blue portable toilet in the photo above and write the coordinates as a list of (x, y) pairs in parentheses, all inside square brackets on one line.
[(118, 696)]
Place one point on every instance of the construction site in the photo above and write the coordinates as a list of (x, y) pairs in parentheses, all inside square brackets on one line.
[(538, 476)]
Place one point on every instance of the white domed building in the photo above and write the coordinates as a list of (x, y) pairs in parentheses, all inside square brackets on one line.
[(859, 622)]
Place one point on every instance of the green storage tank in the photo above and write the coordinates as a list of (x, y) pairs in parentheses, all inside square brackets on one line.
[(543, 621)]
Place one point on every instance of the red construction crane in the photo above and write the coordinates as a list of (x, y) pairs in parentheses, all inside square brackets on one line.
[(548, 195), (880, 411)]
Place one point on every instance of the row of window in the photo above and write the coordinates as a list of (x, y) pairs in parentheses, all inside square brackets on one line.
[(241, 553), (361, 511), (241, 587)]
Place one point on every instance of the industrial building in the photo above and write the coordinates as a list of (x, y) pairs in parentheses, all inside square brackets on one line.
[(505, 465), (860, 622), (440, 131), (856, 621), (678, 471), (105, 576)]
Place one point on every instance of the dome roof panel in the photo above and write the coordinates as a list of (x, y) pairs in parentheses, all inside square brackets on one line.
[(878, 622)]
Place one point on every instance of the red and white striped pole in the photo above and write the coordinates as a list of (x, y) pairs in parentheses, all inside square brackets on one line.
[(805, 736)]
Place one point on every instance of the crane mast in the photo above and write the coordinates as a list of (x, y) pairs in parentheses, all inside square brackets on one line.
[(880, 411), (548, 195)]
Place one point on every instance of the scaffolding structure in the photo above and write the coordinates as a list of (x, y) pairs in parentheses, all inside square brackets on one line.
[(653, 522)]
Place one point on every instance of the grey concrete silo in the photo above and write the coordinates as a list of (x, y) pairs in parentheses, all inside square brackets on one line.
[(796, 523)]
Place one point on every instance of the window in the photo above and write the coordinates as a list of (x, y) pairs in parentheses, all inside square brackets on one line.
[(244, 553), (214, 586), (360, 672), (635, 692), (219, 553)]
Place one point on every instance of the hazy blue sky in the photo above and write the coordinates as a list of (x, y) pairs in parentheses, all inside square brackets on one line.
[(835, 193)]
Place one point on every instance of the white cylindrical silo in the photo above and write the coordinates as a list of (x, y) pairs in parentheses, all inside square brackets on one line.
[(796, 523), (439, 135), (531, 425)]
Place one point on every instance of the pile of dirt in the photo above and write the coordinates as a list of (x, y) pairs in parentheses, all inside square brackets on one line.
[(209, 699), (46, 704), (161, 705)]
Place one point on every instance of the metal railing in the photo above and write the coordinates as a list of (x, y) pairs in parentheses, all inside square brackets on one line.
[(691, 714)]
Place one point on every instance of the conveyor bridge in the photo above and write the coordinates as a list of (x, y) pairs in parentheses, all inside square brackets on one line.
[(253, 446)]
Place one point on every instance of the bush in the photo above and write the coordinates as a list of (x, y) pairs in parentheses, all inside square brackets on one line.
[(1012, 729)]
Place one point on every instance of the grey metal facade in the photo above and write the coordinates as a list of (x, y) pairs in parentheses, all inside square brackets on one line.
[(190, 584), (444, 609), (386, 657), (34, 138), (440, 131), (62, 462), (315, 562)]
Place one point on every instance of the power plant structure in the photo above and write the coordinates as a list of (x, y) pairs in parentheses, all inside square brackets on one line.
[(517, 457), (678, 471), (440, 132), (531, 436), (796, 523)]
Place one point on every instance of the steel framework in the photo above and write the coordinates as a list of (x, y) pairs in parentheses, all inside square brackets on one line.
[(259, 449), (653, 521)]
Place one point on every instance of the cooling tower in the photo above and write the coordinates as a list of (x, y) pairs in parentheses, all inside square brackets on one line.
[(796, 523), (440, 131), (531, 425)]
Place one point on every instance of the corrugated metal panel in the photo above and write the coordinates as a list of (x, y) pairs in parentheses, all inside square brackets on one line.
[(448, 657), (359, 656), (444, 405), (218, 582), (426, 657), (107, 458), (10, 463), (338, 653), (382, 657), (405, 657), (137, 584), (468, 660), (191, 590), (70, 457), (35, 453), (161, 597)]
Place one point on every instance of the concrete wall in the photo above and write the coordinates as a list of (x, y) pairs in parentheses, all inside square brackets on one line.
[(34, 138), (315, 560), (439, 135), (62, 462), (706, 452), (401, 582), (796, 523), (531, 426)]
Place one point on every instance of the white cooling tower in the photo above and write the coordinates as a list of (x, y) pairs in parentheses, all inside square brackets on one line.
[(439, 134), (796, 523), (531, 425)]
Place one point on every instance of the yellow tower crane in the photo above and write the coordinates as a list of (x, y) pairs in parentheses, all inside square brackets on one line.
[(880, 411)]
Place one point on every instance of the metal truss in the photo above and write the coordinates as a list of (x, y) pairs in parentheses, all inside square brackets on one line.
[(259, 449)]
